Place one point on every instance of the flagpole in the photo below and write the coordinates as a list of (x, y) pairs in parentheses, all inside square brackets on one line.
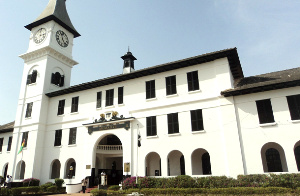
[(137, 153)]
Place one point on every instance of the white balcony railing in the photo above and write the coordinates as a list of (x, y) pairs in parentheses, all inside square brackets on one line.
[(110, 147)]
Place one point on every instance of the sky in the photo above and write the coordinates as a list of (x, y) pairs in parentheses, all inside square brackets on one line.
[(266, 34)]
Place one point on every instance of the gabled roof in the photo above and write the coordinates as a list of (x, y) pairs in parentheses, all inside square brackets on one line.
[(265, 82), (9, 127), (56, 10), (231, 54)]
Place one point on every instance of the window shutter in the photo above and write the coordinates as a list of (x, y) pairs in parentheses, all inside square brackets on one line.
[(62, 81), (53, 79), (28, 79), (33, 76)]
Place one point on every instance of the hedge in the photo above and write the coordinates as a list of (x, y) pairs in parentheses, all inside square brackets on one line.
[(258, 180)]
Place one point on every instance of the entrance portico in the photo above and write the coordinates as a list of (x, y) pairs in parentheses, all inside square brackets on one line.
[(111, 141)]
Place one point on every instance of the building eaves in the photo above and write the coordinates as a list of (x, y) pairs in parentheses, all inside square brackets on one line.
[(265, 82), (9, 127), (231, 54)]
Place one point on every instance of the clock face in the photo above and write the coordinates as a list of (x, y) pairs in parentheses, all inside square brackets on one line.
[(62, 38), (40, 35)]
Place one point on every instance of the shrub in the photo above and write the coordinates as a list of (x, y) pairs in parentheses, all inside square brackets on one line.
[(5, 192), (184, 181), (285, 180), (2, 179), (215, 182), (59, 182), (52, 189), (129, 183), (98, 192), (31, 182), (256, 180), (32, 190), (146, 182), (46, 185), (114, 188)]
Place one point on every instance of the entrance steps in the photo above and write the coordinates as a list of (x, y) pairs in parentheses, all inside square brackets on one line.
[(88, 190)]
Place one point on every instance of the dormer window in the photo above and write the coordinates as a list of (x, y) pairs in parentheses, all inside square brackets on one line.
[(31, 78), (57, 79)]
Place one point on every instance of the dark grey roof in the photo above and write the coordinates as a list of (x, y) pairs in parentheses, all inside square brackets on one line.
[(231, 54), (9, 127), (56, 10), (265, 82)]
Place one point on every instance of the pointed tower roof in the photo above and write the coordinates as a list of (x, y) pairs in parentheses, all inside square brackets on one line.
[(56, 10)]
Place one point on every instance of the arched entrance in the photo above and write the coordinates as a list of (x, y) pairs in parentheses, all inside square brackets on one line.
[(5, 170), (109, 159), (20, 170), (153, 164), (201, 162)]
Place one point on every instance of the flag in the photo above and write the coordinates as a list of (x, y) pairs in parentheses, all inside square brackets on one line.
[(139, 140), (22, 146)]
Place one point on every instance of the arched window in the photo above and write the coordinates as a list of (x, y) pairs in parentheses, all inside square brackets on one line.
[(297, 156), (55, 169), (31, 78), (273, 160), (57, 79)]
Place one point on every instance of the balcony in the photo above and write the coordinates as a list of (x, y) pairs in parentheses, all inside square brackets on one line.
[(110, 149)]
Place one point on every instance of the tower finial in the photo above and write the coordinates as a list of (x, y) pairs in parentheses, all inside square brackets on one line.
[(128, 49)]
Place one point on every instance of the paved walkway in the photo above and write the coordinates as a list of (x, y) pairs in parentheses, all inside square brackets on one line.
[(74, 194)]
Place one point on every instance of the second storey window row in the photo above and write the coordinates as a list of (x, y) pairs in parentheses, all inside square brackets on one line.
[(150, 89), (74, 107), (265, 112)]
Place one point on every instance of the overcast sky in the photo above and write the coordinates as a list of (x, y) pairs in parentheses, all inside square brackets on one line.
[(265, 32)]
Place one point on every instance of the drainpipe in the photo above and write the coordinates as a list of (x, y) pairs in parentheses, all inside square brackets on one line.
[(240, 136)]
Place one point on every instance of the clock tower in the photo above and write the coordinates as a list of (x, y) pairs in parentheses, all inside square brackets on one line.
[(47, 67)]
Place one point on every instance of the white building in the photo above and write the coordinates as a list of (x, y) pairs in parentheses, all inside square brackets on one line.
[(196, 116)]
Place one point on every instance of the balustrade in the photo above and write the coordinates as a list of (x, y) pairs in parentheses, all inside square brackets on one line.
[(109, 147)]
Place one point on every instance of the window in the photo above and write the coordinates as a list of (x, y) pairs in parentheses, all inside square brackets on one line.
[(120, 95), (99, 99), (109, 97), (150, 89), (171, 85), (173, 125), (294, 106), (197, 120), (74, 107), (61, 107), (151, 125), (9, 143), (265, 112), (273, 160), (31, 78), (193, 82), (24, 138), (57, 79), (58, 134), (28, 110), (72, 136), (1, 143)]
